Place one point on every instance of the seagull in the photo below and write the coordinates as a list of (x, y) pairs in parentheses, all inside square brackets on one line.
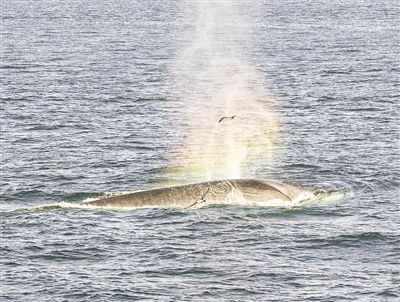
[(228, 118)]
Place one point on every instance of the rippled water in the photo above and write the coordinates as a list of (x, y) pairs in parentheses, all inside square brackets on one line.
[(87, 108)]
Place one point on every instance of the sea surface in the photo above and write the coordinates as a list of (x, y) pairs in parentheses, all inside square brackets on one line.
[(87, 107)]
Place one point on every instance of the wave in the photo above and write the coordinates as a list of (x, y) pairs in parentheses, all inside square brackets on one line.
[(355, 239)]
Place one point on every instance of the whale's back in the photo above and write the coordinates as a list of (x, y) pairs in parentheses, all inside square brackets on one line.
[(212, 192), (259, 190)]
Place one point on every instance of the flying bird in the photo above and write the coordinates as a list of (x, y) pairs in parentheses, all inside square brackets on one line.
[(228, 118)]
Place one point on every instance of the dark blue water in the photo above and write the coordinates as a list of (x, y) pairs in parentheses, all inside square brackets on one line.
[(87, 106)]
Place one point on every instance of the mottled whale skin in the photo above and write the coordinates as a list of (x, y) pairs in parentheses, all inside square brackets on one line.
[(231, 191)]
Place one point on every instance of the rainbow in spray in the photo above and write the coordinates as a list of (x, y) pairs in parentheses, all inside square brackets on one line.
[(213, 77)]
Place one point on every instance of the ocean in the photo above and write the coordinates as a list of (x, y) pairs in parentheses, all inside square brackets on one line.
[(117, 96)]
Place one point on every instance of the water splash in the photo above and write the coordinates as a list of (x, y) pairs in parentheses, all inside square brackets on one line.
[(213, 75)]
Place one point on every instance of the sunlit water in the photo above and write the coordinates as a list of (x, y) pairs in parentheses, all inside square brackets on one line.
[(88, 106)]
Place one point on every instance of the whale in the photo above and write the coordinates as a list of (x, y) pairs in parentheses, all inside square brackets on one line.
[(247, 192)]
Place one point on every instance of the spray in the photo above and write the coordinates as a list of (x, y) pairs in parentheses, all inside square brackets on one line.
[(213, 77)]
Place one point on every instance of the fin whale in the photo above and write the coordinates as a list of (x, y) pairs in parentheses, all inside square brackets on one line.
[(251, 192)]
